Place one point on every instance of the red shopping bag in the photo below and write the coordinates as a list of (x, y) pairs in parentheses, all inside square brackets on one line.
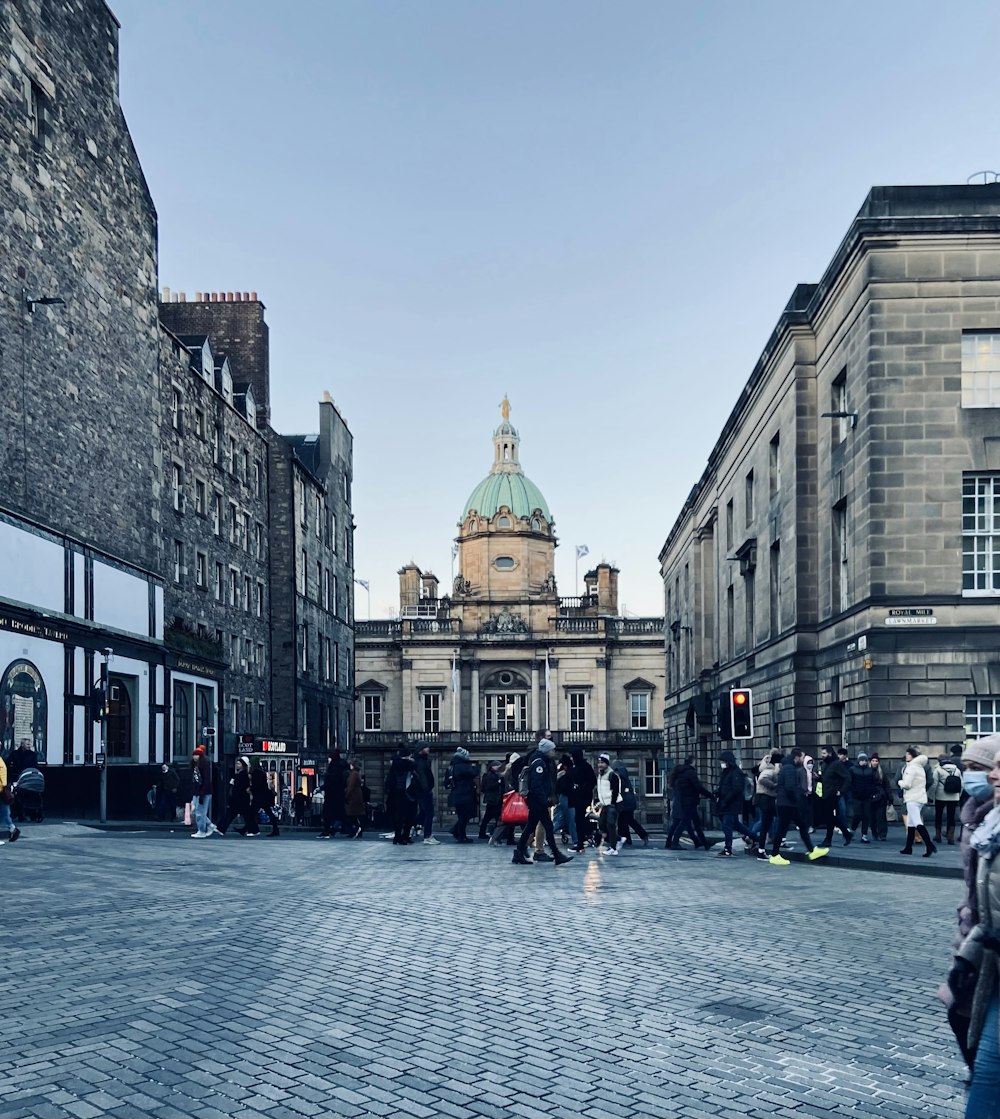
[(514, 810)]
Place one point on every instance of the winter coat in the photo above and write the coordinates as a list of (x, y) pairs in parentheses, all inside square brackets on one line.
[(541, 776), (836, 779), (629, 800), (883, 786), (354, 796), (864, 783), (584, 779), (972, 814), (203, 764), (767, 777), (463, 776), (400, 769), (170, 781), (729, 794), (793, 785), (914, 781), (334, 780), (423, 774), (241, 790), (986, 961), (492, 787), (261, 793), (688, 789), (949, 769), (609, 787)]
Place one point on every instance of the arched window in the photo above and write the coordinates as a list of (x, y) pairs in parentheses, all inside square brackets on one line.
[(503, 522), (181, 738), (23, 708)]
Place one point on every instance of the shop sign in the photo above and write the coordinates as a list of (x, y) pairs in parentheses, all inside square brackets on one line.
[(33, 629), (911, 616), (308, 761), (274, 746), (244, 747)]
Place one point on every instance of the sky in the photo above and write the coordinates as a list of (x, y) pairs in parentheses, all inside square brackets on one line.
[(597, 209)]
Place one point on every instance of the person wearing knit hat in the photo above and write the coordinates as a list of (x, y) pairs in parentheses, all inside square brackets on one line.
[(201, 785), (541, 783), (864, 786), (981, 752), (461, 780)]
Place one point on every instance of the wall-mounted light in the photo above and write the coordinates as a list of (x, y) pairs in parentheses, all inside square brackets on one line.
[(31, 302), (852, 416)]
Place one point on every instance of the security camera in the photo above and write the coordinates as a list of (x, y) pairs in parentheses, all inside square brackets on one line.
[(107, 652)]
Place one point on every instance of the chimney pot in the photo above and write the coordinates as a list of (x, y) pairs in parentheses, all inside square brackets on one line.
[(197, 297), (166, 295), (239, 297), (253, 296), (229, 297), (184, 297), (215, 297), (246, 297)]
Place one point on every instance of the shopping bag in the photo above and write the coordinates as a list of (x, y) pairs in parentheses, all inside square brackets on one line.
[(187, 815), (514, 810)]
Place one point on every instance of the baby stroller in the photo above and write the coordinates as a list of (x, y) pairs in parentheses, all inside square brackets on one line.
[(591, 829), (28, 791)]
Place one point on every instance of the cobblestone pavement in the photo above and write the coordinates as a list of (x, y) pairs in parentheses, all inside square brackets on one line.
[(153, 975)]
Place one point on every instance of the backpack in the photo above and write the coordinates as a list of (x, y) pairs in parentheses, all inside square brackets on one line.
[(524, 780), (449, 776), (953, 781)]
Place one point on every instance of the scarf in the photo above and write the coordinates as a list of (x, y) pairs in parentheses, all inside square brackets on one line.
[(986, 838)]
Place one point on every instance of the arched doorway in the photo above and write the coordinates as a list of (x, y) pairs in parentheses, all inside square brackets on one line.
[(505, 701), (23, 708)]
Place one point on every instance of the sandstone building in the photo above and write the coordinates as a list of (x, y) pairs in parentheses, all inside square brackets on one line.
[(839, 554), (501, 655)]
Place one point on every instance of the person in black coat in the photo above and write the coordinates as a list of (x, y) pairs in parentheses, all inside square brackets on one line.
[(836, 779), (687, 792), (541, 790), (261, 800), (729, 804), (864, 789), (793, 790), (492, 791), (334, 784), (582, 794), (461, 780), (399, 801), (239, 800)]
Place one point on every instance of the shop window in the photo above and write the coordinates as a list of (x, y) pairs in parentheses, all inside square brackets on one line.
[(23, 709)]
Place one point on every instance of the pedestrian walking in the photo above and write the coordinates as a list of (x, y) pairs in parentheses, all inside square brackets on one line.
[(239, 800), (201, 792), (809, 765), (686, 792), (627, 823), (582, 795), (461, 783), (262, 800), (354, 802), (399, 801), (864, 789), (791, 795), (836, 779), (767, 802), (564, 817), (491, 789), (422, 792), (947, 792), (334, 782), (541, 783), (504, 833), (914, 786), (882, 801), (980, 957), (167, 784), (6, 799), (729, 804), (609, 798)]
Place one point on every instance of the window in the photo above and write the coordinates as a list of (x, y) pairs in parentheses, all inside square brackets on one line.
[(347, 543), (506, 711), (980, 369), (577, 710), (258, 479), (234, 715), (259, 540), (247, 592), (372, 708), (774, 467), (303, 574), (347, 489), (232, 523), (730, 621), (653, 777), (178, 561), (260, 664), (217, 513), (749, 499), (332, 539), (302, 502), (503, 522), (233, 460), (305, 649), (234, 651), (176, 410), (177, 484), (503, 563), (432, 713), (982, 716), (774, 574), (260, 600), (838, 557), (981, 534), (199, 423), (333, 594), (750, 604), (39, 114), (321, 584), (247, 715), (217, 445), (262, 716), (200, 506), (326, 590), (638, 705), (246, 468), (234, 586), (318, 515), (219, 582), (182, 722), (729, 524), (326, 658), (201, 570), (838, 403), (336, 662)]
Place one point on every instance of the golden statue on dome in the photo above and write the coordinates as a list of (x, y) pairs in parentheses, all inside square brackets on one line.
[(505, 408)]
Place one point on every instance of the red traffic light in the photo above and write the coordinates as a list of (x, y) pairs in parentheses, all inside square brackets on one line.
[(739, 697)]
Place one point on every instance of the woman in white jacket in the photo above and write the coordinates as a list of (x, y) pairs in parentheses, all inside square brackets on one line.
[(914, 786)]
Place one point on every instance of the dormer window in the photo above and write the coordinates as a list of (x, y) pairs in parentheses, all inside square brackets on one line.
[(504, 563), (503, 522), (227, 385)]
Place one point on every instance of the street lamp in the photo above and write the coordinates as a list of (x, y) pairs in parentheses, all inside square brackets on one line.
[(42, 301)]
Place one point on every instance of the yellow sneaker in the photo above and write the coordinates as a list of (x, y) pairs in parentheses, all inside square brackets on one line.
[(818, 853), (778, 860)]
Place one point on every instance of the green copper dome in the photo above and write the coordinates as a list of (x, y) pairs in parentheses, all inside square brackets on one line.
[(506, 484), (521, 496)]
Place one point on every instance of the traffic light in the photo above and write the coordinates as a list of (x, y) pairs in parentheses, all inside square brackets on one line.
[(741, 712), (98, 702), (724, 718)]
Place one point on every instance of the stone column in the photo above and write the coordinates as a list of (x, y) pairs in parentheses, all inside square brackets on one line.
[(536, 713), (474, 698)]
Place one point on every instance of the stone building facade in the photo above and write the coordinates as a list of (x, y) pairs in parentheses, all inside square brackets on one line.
[(502, 655), (839, 554)]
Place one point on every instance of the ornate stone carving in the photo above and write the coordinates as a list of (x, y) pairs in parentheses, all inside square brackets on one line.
[(504, 622)]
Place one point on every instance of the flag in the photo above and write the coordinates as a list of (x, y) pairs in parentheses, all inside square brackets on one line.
[(454, 550), (362, 583), (454, 673), (582, 550)]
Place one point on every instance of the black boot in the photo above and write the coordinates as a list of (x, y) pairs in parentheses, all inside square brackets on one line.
[(908, 849), (562, 859), (925, 835)]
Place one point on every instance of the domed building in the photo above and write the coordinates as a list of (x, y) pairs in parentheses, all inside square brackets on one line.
[(501, 656)]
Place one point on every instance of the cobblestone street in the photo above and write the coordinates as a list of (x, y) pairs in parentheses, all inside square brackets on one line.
[(152, 975)]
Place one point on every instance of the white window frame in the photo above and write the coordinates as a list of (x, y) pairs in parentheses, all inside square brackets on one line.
[(982, 716), (981, 369), (980, 535), (643, 715), (371, 706), (577, 710), (431, 704), (653, 777)]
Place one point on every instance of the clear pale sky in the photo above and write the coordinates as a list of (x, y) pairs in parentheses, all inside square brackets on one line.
[(599, 209)]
